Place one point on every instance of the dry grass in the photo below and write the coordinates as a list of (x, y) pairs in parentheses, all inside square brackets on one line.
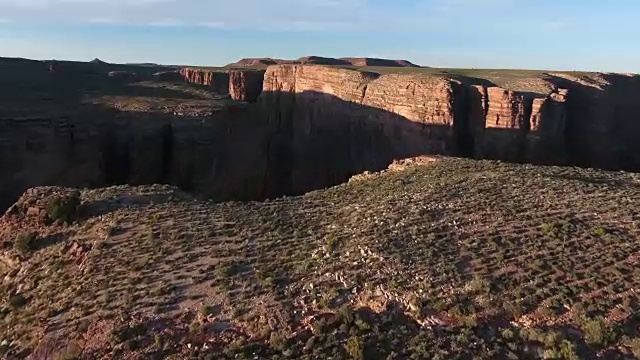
[(457, 259)]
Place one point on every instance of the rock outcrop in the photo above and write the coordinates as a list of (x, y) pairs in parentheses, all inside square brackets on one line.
[(219, 80), (122, 75), (256, 62), (245, 85)]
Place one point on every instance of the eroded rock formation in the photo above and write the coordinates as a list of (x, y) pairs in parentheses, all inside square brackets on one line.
[(219, 80), (245, 85)]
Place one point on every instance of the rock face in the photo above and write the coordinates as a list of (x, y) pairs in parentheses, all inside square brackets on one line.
[(505, 125), (219, 155), (312, 127), (334, 123), (371, 120), (545, 142), (245, 85), (219, 80)]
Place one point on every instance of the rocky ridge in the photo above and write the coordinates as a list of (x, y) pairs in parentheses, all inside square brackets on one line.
[(321, 60)]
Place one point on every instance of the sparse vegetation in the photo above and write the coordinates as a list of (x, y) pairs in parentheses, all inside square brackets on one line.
[(63, 208), (504, 273), (25, 242)]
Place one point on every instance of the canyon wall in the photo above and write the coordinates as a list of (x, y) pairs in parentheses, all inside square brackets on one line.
[(241, 85), (245, 85), (312, 127), (220, 158), (336, 122), (218, 80)]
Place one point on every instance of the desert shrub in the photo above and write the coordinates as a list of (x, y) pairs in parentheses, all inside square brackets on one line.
[(595, 332), (599, 231), (18, 301), (346, 316), (635, 347), (332, 243), (354, 348), (278, 341), (157, 341), (63, 208), (67, 356), (25, 242)]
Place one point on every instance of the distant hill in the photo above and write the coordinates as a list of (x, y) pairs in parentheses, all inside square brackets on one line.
[(378, 62), (98, 61), (320, 60)]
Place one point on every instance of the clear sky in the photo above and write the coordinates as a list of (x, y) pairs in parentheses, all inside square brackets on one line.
[(601, 35)]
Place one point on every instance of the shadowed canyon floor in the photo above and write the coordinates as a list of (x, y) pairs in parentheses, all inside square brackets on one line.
[(449, 259)]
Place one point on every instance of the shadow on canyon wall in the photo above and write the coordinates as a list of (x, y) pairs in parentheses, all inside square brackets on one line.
[(285, 144), (603, 125), (243, 152)]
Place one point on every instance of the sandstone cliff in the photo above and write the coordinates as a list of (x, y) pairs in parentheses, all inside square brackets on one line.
[(245, 85), (218, 80), (313, 126), (333, 123), (372, 119)]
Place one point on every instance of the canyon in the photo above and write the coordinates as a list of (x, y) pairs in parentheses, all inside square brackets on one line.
[(253, 134)]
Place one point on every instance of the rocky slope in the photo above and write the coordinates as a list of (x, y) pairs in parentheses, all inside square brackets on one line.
[(456, 259)]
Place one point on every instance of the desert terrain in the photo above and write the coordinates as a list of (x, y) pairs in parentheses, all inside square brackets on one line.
[(317, 208)]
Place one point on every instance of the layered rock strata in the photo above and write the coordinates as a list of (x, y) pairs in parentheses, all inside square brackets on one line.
[(312, 127), (245, 85), (218, 80)]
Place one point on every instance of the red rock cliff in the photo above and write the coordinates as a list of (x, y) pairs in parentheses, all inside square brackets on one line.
[(336, 122), (219, 80), (245, 85)]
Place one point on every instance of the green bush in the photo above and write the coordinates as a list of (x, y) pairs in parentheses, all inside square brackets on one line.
[(595, 332), (599, 231), (63, 208), (355, 348)]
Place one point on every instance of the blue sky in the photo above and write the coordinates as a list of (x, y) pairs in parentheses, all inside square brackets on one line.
[(544, 34)]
